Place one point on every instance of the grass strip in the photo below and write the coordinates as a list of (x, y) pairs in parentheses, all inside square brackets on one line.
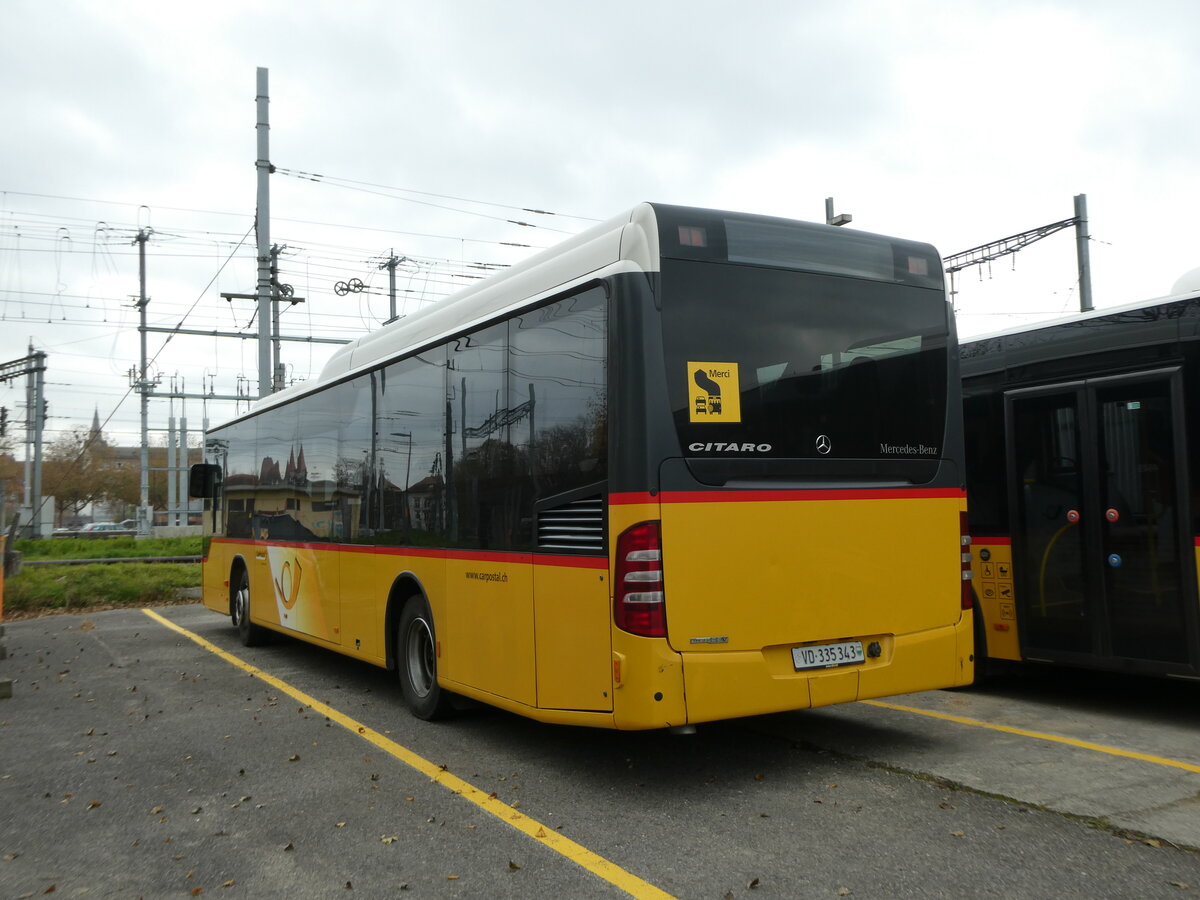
[(36, 591), (108, 548)]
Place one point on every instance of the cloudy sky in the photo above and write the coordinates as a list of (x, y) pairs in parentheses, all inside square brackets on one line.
[(435, 125)]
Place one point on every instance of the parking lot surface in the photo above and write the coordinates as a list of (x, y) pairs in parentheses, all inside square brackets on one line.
[(149, 754)]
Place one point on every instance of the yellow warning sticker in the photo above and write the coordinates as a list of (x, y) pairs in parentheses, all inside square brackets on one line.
[(714, 392)]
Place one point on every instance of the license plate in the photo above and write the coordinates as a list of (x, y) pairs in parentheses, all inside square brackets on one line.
[(827, 656)]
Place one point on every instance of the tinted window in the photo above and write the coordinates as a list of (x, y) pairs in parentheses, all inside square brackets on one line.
[(277, 483), (768, 363), (485, 503), (356, 464), (558, 373), (412, 425), (987, 483), (322, 509)]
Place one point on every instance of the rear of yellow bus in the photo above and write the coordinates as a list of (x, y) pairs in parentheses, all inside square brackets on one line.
[(787, 513)]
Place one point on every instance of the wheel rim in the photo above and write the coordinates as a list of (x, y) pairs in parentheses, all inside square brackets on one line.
[(241, 600), (419, 657)]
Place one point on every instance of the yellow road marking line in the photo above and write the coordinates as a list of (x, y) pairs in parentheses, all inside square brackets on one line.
[(564, 846), (1041, 735)]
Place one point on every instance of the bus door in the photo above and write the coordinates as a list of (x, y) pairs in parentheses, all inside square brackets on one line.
[(1100, 522)]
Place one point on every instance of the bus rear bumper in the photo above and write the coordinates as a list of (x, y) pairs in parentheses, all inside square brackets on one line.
[(728, 684)]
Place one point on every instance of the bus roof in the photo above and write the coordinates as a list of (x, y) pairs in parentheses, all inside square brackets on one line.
[(1081, 317), (630, 238), (995, 351), (629, 242)]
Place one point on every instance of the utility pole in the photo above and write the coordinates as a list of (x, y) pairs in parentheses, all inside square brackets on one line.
[(1014, 243), (144, 386), (33, 367), (279, 293), (390, 265), (1081, 252), (39, 424), (276, 363), (263, 230)]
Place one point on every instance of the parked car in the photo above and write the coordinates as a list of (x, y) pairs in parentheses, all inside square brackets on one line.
[(93, 527), (129, 524)]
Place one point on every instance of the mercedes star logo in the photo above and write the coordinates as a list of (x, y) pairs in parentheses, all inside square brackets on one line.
[(824, 445)]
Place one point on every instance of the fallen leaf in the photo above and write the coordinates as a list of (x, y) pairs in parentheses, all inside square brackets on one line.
[(289, 846), (843, 892), (1152, 842), (956, 834), (294, 758), (452, 878), (541, 832), (752, 884), (93, 804), (196, 892), (340, 825), (1182, 885), (349, 886), (230, 883), (513, 866), (51, 889), (389, 839)]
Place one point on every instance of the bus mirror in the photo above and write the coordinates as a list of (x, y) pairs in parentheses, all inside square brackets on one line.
[(203, 479)]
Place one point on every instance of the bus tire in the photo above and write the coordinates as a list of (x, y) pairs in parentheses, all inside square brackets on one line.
[(416, 661), (983, 669), (250, 634)]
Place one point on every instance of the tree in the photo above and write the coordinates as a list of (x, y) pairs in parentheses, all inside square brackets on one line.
[(78, 470)]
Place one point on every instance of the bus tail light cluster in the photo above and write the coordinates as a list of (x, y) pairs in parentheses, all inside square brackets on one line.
[(639, 606), (968, 597)]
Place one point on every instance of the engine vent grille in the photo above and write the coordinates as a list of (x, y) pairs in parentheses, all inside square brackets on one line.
[(576, 526)]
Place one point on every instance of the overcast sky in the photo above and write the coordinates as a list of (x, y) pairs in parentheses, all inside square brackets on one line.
[(433, 124)]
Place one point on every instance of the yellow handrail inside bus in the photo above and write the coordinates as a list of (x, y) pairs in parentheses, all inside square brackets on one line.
[(1042, 570)]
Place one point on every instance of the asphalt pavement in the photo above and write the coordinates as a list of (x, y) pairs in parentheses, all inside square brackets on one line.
[(136, 762)]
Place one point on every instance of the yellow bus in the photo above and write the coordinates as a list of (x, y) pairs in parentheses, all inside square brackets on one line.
[(685, 466)]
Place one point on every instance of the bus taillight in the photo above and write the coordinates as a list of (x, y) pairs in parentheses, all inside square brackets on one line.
[(968, 597), (638, 604)]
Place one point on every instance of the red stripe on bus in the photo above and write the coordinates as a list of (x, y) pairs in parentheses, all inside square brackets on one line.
[(787, 495), (631, 497), (571, 562), (518, 557), (1001, 541)]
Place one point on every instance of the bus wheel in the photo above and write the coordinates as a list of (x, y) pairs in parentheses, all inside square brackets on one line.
[(416, 660), (239, 610)]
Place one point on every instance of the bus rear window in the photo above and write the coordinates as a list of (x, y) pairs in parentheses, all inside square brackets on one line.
[(777, 364)]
